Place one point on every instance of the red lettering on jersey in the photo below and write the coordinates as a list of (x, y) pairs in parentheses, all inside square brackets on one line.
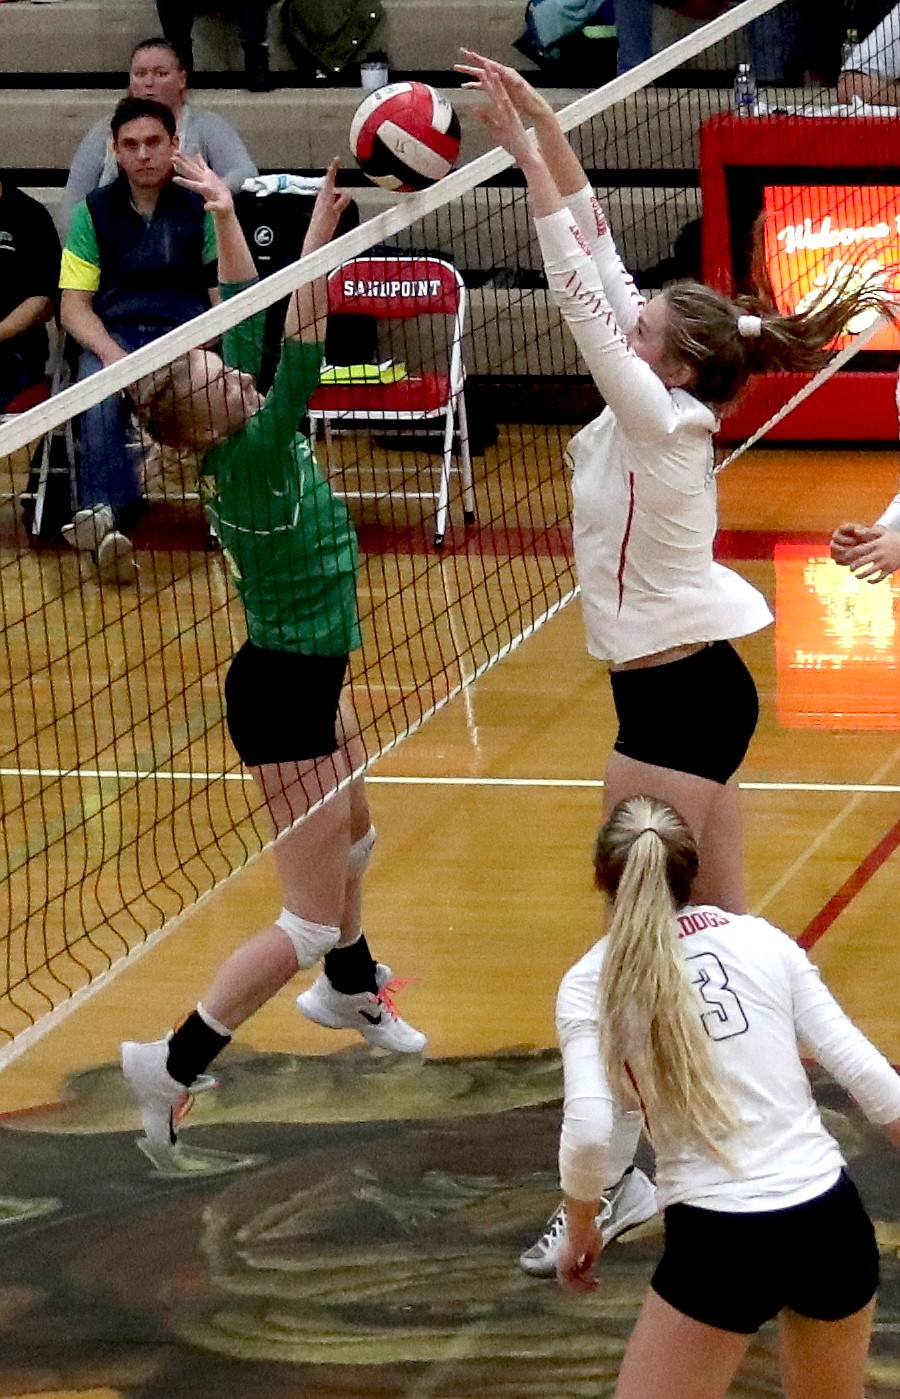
[(579, 238), (599, 216), (696, 922)]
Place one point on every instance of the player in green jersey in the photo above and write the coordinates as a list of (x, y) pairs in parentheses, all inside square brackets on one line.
[(292, 550)]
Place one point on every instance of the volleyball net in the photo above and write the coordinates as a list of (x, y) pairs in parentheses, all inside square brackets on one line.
[(123, 799)]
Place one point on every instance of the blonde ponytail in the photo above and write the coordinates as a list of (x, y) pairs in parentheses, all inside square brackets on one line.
[(652, 1035)]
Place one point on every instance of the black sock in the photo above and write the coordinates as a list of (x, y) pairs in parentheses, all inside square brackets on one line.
[(192, 1048), (351, 970)]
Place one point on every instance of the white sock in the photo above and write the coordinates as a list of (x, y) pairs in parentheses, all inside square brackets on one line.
[(213, 1023)]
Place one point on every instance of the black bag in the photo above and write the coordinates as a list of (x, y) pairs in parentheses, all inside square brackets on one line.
[(328, 34), (274, 226)]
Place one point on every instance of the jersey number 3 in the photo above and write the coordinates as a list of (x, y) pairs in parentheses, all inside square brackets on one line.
[(725, 1017)]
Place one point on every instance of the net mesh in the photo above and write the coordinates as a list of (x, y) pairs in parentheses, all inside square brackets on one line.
[(123, 798)]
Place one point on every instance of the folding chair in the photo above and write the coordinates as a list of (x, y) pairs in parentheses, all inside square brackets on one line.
[(55, 456), (397, 289)]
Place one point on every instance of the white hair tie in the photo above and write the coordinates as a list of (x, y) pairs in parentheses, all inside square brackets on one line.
[(749, 326)]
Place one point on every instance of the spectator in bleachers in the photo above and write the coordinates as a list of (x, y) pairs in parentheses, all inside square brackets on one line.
[(251, 17), (157, 72), (29, 274), (139, 259), (547, 22), (774, 38)]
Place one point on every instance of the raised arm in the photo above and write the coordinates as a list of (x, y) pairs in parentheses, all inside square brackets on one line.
[(640, 400), (571, 181), (308, 308), (532, 106), (235, 259)]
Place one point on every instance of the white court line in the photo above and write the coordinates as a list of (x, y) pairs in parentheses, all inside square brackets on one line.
[(101, 774), (27, 1038)]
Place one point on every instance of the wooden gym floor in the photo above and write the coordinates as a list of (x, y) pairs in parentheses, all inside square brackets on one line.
[(357, 1232)]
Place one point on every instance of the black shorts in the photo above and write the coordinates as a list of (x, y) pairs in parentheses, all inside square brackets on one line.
[(695, 715), (737, 1271), (281, 706)]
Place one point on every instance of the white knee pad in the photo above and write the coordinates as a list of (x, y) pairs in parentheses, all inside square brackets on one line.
[(361, 853), (310, 940)]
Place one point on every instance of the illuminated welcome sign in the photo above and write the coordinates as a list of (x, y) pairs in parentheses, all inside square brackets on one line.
[(819, 237)]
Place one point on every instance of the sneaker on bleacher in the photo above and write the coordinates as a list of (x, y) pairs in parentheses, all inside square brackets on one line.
[(373, 1014)]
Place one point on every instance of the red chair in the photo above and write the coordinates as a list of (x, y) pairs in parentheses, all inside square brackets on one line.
[(397, 289), (26, 398), (55, 456)]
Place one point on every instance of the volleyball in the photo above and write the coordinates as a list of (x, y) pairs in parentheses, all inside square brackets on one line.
[(405, 136)]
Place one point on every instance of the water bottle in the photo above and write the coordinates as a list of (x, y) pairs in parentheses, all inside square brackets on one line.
[(745, 91), (847, 47)]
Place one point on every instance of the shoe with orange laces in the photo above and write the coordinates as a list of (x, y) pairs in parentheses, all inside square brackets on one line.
[(163, 1101), (373, 1014)]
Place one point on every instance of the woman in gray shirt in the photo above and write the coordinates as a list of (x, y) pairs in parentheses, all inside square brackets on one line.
[(157, 72)]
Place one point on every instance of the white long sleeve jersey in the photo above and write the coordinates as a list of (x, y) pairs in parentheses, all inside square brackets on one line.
[(759, 995), (643, 487)]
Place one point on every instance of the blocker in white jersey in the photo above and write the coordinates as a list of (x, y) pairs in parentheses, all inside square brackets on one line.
[(405, 136), (654, 599), (694, 1016)]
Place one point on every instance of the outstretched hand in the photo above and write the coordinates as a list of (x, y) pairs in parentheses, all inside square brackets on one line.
[(499, 113), (193, 173), (330, 204), (529, 103)]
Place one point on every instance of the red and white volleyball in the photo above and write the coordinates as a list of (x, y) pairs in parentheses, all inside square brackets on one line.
[(405, 136)]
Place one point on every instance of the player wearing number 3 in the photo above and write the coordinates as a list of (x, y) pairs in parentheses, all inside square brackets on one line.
[(657, 607), (692, 1015)]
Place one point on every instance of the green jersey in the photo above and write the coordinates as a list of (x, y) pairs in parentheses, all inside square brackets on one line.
[(290, 543)]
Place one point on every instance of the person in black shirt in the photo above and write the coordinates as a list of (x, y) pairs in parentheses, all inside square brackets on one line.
[(29, 274)]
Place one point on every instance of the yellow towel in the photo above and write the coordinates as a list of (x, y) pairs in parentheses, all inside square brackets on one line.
[(386, 373)]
